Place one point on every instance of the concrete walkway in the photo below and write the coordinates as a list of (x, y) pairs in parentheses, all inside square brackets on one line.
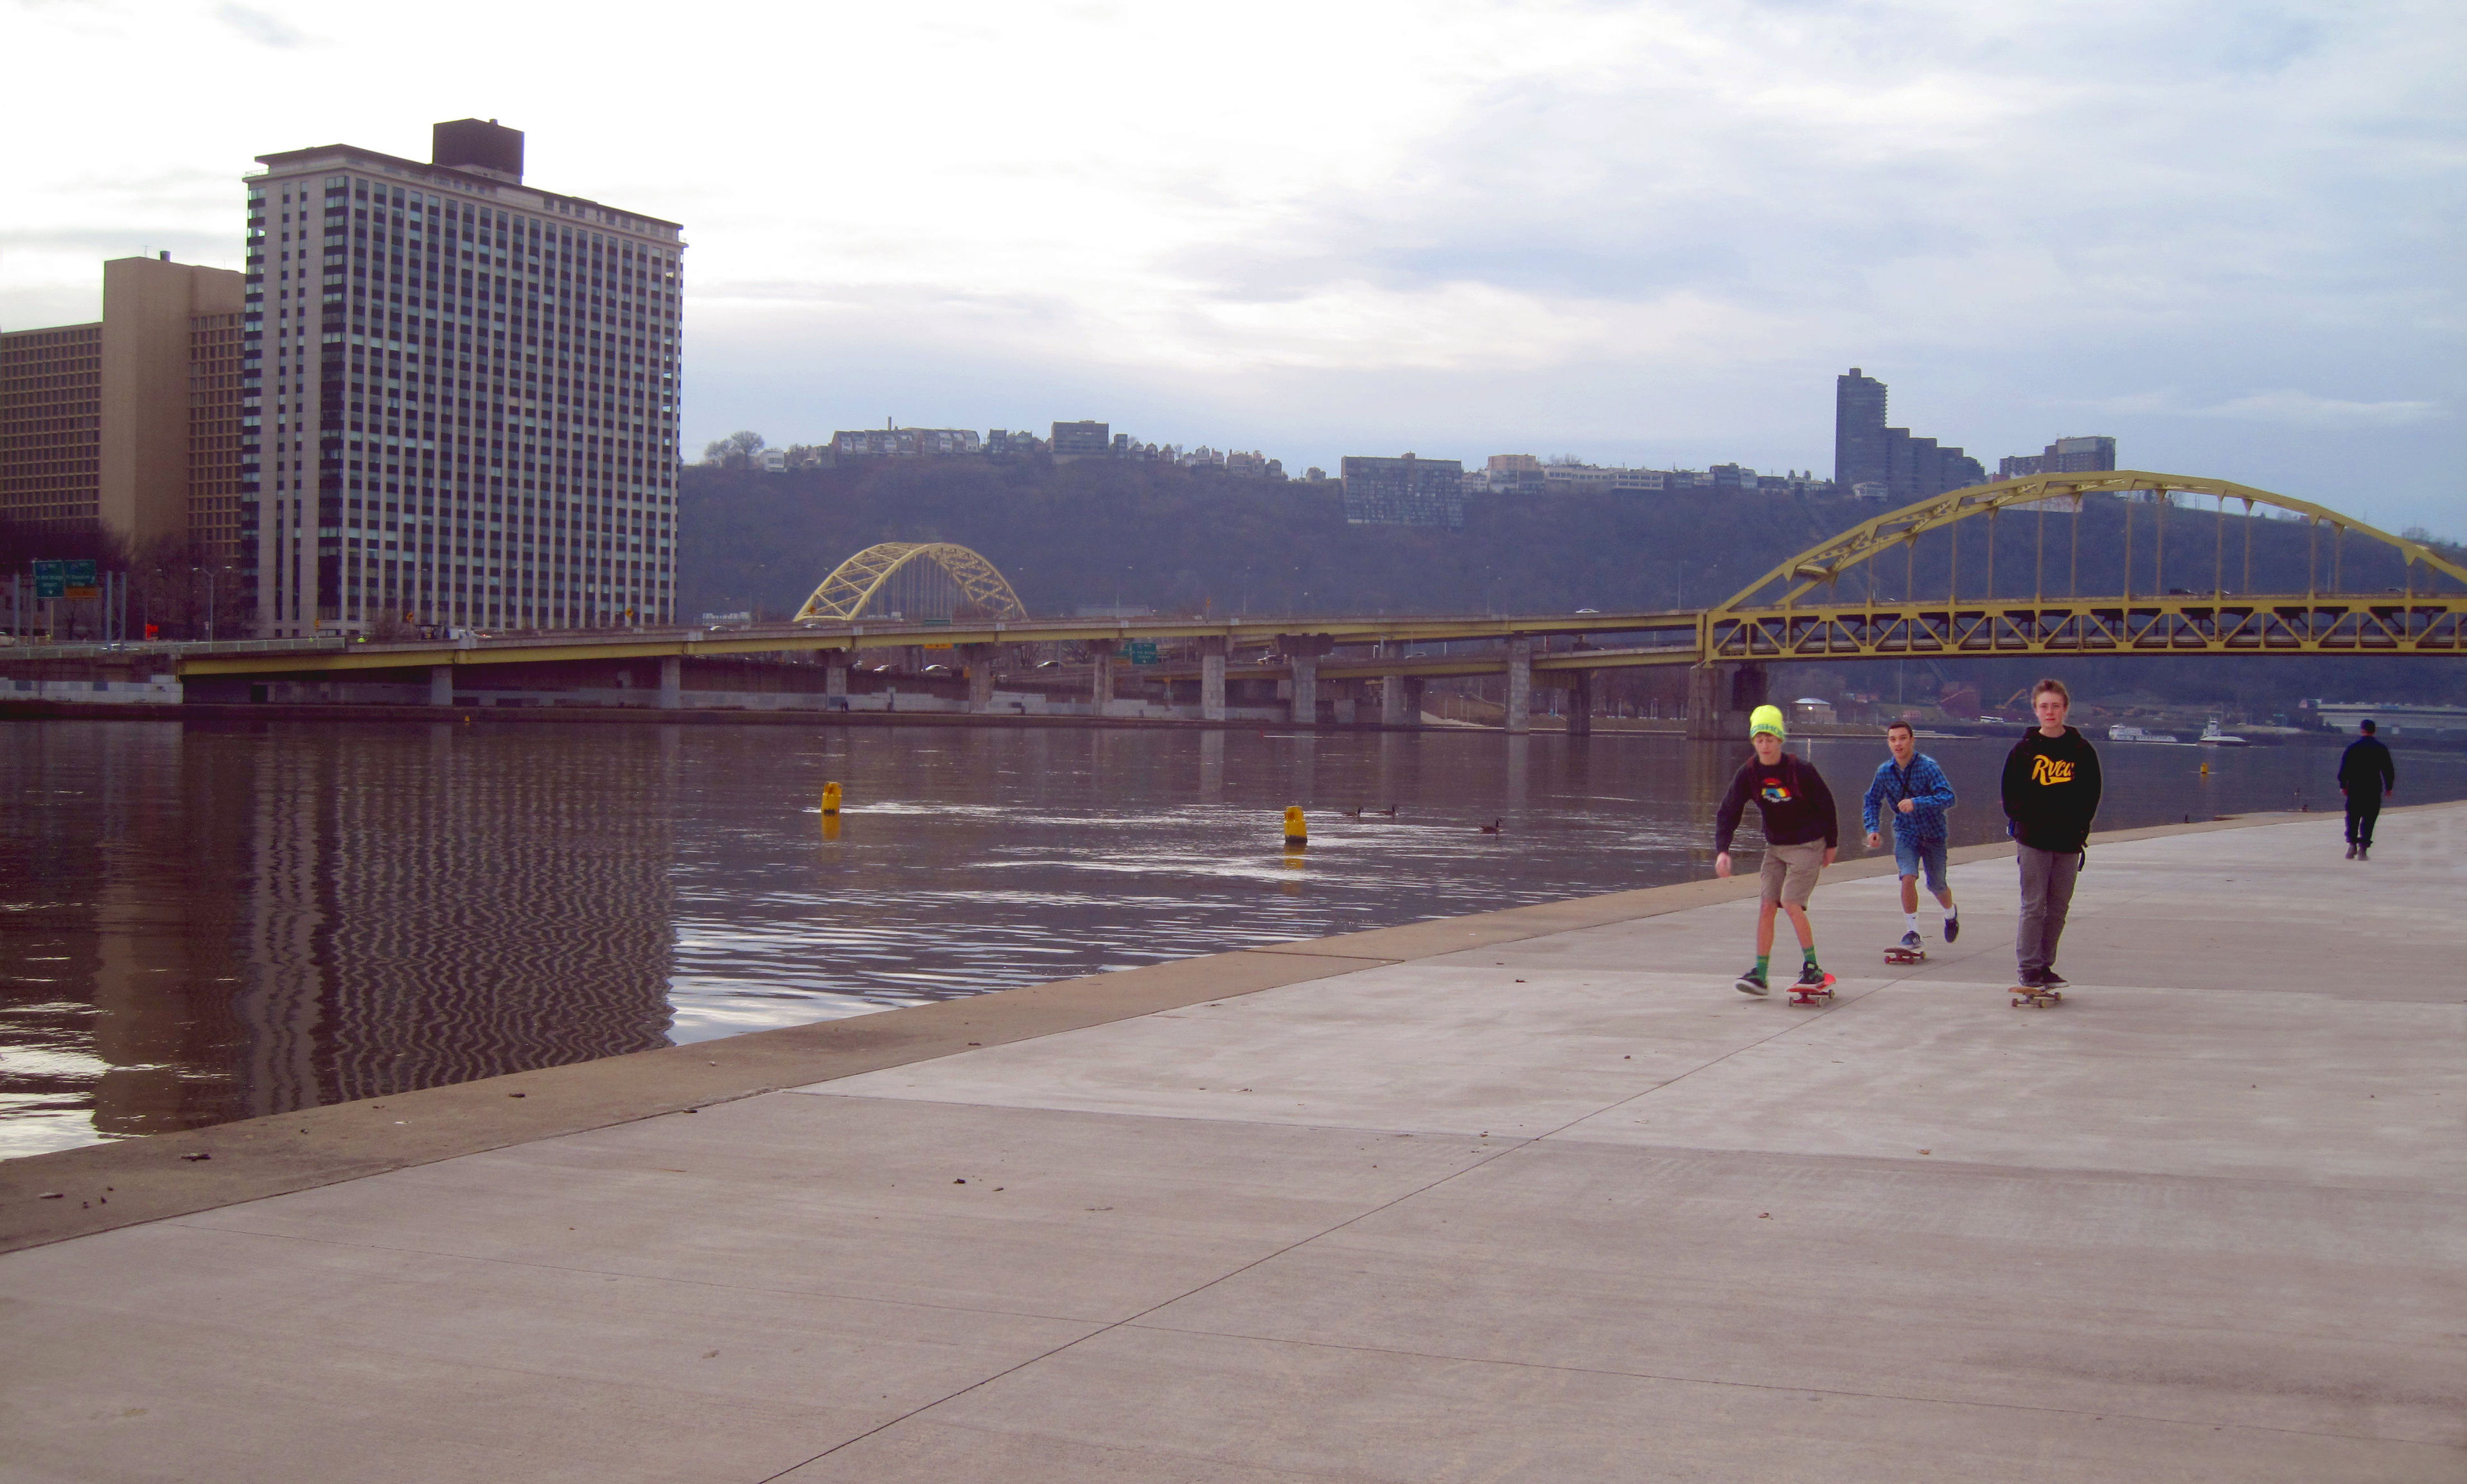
[(1531, 1197)]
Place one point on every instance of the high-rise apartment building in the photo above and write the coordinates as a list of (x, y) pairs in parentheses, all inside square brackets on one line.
[(1085, 440), (1858, 430), (128, 425), (1405, 491), (1867, 452), (465, 394)]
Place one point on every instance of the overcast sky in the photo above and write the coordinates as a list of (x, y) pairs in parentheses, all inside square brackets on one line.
[(2227, 234)]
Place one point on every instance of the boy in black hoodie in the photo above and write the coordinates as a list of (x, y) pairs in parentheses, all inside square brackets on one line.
[(1802, 836), (2051, 786)]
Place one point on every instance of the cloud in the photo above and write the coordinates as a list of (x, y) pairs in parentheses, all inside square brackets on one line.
[(2304, 408), (260, 27)]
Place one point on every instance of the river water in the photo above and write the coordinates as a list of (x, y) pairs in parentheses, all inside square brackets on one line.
[(200, 923)]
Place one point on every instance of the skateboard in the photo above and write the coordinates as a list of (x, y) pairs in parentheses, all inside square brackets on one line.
[(2036, 999), (1802, 994), (1897, 954)]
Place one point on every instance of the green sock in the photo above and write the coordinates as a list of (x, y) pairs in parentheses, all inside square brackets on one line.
[(1810, 952), (1764, 961)]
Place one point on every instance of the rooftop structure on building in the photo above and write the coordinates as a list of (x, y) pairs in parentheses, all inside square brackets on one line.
[(130, 426), (464, 394)]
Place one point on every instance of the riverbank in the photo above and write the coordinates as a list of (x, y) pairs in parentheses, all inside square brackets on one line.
[(1530, 1194)]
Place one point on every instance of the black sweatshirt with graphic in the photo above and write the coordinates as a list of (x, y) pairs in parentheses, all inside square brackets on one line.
[(2052, 788), (1795, 805)]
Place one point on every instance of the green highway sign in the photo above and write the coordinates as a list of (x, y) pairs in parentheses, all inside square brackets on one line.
[(50, 579), (1143, 651), (80, 581)]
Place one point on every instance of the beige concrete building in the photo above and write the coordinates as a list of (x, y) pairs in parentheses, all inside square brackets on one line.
[(468, 389), (130, 425)]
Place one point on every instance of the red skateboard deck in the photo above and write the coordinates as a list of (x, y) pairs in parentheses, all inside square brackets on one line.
[(1802, 994), (1897, 954)]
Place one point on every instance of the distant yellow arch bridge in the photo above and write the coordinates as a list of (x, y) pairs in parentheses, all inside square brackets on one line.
[(912, 579), (1841, 598)]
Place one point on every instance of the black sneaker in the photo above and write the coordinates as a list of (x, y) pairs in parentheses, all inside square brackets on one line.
[(1811, 976), (1753, 983), (2028, 978), (2050, 979), (2363, 852), (2351, 850), (1952, 929)]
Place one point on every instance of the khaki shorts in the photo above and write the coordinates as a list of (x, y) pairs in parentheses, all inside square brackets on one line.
[(1789, 872)]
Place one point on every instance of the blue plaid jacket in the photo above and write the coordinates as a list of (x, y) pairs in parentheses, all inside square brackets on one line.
[(1922, 783)]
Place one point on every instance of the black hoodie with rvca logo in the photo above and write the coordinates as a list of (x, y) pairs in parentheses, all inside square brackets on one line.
[(2052, 788)]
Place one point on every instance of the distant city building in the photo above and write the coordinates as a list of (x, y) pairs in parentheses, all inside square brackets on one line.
[(907, 443), (1081, 440), (471, 394), (1865, 451), (1875, 490), (131, 425), (2064, 456), (1524, 474), (768, 461), (1405, 491)]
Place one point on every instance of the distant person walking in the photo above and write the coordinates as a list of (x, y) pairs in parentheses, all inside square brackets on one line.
[(1802, 835), (1911, 791), (2051, 787), (2366, 776)]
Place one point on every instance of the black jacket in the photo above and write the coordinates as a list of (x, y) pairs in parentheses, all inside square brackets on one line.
[(2051, 786), (2365, 772), (1791, 798)]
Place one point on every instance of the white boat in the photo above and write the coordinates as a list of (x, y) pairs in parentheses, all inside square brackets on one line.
[(2123, 733), (2212, 736)]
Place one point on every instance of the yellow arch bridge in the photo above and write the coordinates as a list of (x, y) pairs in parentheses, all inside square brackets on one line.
[(1868, 592), (862, 580)]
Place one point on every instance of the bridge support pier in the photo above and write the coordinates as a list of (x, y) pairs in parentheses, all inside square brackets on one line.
[(672, 682), (1344, 702), (1391, 702), (441, 684), (1580, 704), (1101, 676), (1303, 651), (1720, 697), (1211, 680), (1520, 687), (835, 668), (980, 675)]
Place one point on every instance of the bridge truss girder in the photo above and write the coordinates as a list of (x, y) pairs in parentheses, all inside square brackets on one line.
[(2295, 624)]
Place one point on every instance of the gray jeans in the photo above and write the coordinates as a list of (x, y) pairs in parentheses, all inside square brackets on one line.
[(2046, 894)]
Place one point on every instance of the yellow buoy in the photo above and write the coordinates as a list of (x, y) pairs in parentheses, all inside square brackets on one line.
[(1297, 832), (831, 799), (2206, 770), (831, 826)]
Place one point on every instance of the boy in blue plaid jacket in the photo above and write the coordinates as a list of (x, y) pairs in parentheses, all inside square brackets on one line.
[(1914, 791)]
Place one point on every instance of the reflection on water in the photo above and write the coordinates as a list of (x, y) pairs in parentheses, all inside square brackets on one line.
[(203, 923)]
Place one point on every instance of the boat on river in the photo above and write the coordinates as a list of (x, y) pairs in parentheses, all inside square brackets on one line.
[(2212, 735), (2124, 733)]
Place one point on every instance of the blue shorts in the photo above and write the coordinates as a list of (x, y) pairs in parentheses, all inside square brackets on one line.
[(1911, 858)]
